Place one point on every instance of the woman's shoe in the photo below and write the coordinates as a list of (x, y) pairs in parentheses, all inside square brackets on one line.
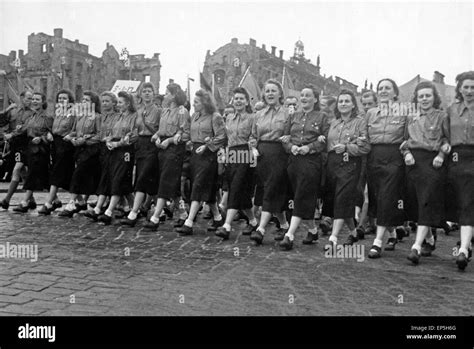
[(4, 204), (151, 226), (310, 238), (286, 244), (462, 261), (21, 209), (391, 244), (107, 220), (257, 236), (414, 256), (375, 252), (44, 210), (129, 222)]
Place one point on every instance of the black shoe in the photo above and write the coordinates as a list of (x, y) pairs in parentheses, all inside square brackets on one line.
[(208, 215), (128, 221), (350, 240), (375, 252), (222, 233), (21, 209), (107, 220), (310, 238), (121, 214), (462, 261), (91, 214), (215, 224), (360, 233), (185, 230), (286, 244), (81, 207), (414, 256), (280, 234), (57, 204), (325, 227), (469, 250), (370, 230), (179, 223), (249, 229), (151, 226), (401, 232), (4, 204), (31, 205), (162, 218), (168, 212), (391, 242), (427, 249), (44, 210), (257, 236), (66, 213)]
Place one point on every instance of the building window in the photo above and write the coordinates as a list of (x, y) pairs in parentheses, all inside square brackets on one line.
[(43, 48), (219, 76), (147, 78)]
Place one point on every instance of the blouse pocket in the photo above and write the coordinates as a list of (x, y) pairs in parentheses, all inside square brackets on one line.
[(432, 132)]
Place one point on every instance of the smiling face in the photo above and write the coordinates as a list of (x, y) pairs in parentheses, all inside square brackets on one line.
[(240, 102), (467, 90), (345, 104), (386, 92), (425, 98), (272, 94), (63, 98), (147, 95), (122, 104), (307, 99), (36, 101)]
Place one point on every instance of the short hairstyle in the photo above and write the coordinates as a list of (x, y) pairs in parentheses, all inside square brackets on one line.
[(369, 94), (112, 96), (206, 101), (243, 91), (70, 95), (316, 93), (394, 85), (129, 99), (95, 100), (179, 96), (355, 111), (460, 78), (290, 97), (427, 84), (278, 85), (23, 93), (147, 85), (44, 104)]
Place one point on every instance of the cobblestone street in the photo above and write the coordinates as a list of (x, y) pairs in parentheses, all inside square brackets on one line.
[(84, 268)]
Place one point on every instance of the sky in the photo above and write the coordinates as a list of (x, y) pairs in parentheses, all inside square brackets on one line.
[(355, 40)]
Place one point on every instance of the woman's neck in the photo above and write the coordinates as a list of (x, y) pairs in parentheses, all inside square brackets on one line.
[(147, 103), (308, 109), (345, 117), (469, 105)]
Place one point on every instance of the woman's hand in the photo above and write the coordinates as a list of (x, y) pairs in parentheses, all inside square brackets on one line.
[(80, 141), (255, 153), (360, 141), (409, 159), (165, 143), (295, 150), (177, 138), (339, 148), (284, 139), (322, 139), (304, 150), (67, 138), (7, 136), (36, 140), (438, 161), (110, 145), (201, 149), (49, 137), (154, 138)]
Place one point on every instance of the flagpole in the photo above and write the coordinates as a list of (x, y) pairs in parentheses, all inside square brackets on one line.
[(245, 75), (188, 86)]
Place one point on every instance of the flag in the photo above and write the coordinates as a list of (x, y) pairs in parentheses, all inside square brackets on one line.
[(287, 84), (248, 82), (11, 93), (214, 91), (204, 84)]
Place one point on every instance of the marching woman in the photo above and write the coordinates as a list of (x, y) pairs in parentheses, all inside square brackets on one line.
[(109, 114), (85, 137), (461, 163), (385, 166), (347, 143), (62, 151), (427, 135), (270, 125), (170, 139), (38, 130), (239, 174), (146, 154), (120, 144), (207, 135), (308, 132)]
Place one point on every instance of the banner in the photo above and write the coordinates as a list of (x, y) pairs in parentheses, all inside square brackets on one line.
[(128, 86), (248, 82)]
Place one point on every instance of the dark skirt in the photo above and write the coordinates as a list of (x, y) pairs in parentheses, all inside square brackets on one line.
[(271, 168), (240, 182), (203, 175), (19, 148), (362, 182), (258, 190), (340, 192), (37, 156), (425, 190), (146, 162), (170, 164), (460, 185), (87, 172), (62, 155), (120, 170), (386, 184), (304, 174), (103, 188)]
